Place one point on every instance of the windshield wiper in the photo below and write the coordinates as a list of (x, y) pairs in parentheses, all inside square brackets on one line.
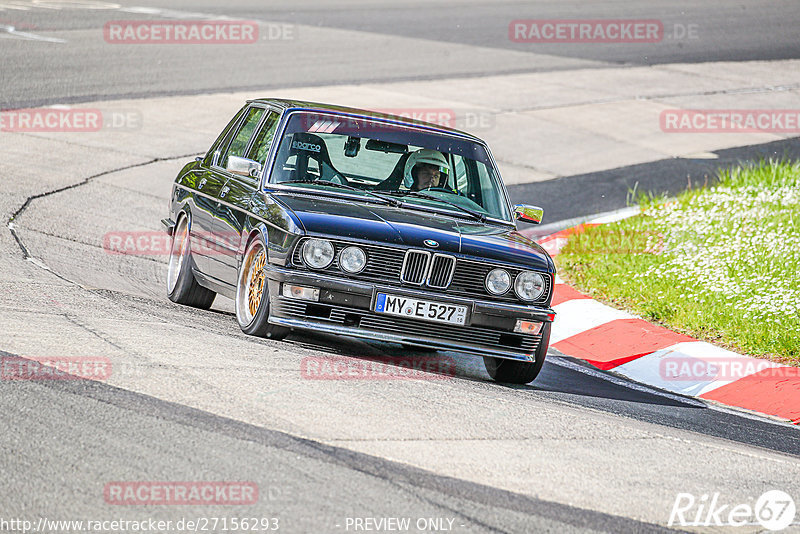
[(389, 200), (476, 214)]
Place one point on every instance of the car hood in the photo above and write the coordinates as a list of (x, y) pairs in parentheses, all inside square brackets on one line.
[(346, 219)]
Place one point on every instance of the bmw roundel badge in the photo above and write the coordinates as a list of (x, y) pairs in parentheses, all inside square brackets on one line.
[(431, 243)]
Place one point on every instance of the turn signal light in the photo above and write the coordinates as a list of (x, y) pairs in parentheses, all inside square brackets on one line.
[(527, 327), (301, 293)]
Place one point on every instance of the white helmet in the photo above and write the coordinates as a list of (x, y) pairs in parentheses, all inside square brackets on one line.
[(424, 155)]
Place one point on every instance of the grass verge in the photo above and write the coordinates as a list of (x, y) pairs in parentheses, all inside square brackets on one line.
[(720, 264)]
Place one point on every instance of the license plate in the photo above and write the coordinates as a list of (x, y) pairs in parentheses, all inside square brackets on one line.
[(421, 309)]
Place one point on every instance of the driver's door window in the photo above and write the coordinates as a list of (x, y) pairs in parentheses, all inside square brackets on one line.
[(242, 138), (260, 148)]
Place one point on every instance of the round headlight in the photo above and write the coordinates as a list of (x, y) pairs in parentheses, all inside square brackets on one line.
[(352, 260), (498, 281), (318, 253), (529, 285)]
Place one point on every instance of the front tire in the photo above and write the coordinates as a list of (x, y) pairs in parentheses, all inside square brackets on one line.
[(252, 294), (182, 288), (517, 372)]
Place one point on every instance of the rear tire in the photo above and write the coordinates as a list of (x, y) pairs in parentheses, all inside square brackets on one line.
[(517, 372), (252, 294), (182, 288)]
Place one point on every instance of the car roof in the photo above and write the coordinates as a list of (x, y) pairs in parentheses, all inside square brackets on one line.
[(300, 105)]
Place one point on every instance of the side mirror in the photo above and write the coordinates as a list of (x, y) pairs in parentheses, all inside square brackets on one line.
[(243, 166), (531, 214)]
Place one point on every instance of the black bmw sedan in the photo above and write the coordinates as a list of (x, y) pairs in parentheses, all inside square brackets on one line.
[(338, 220)]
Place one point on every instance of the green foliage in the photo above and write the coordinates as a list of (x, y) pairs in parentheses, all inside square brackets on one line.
[(720, 263)]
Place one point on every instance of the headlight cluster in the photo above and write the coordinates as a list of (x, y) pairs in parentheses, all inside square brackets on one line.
[(319, 254), (528, 285), (352, 260), (498, 282)]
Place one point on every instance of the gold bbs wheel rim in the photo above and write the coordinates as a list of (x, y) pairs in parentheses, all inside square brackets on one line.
[(255, 286)]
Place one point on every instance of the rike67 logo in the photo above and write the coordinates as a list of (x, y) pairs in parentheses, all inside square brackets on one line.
[(774, 510)]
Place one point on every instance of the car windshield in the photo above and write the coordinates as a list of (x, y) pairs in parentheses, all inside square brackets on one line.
[(325, 153)]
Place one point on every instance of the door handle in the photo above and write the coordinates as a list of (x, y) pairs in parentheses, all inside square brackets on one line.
[(224, 191)]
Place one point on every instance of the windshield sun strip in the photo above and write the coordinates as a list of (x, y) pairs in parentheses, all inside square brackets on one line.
[(386, 120)]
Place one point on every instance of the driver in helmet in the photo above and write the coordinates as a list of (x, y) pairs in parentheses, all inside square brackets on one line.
[(424, 169)]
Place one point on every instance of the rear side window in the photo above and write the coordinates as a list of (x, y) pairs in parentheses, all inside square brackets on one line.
[(223, 139)]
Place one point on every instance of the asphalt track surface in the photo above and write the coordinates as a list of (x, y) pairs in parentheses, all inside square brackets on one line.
[(210, 406), (475, 32)]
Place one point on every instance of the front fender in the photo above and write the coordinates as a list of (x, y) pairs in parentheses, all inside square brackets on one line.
[(275, 224)]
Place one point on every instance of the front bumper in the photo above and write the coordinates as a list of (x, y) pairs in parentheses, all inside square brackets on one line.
[(345, 307)]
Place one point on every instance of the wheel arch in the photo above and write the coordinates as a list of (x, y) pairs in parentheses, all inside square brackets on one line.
[(184, 211), (251, 232)]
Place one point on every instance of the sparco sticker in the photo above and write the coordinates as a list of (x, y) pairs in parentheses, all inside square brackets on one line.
[(305, 146)]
